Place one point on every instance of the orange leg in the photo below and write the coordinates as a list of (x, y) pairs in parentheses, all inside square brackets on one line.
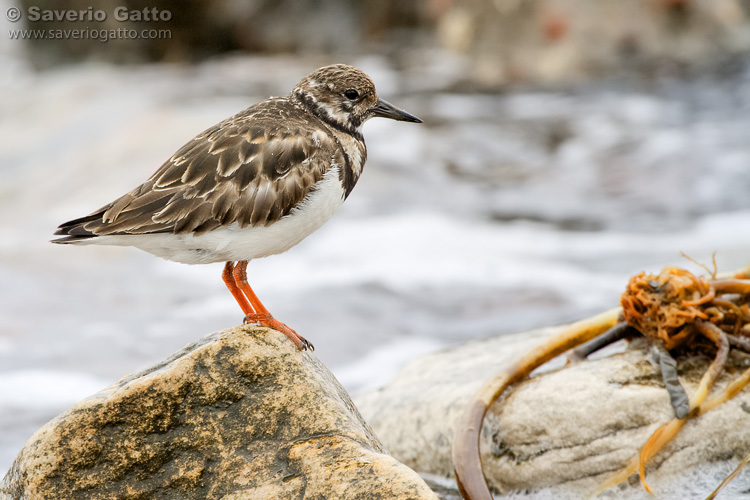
[(228, 278), (258, 312)]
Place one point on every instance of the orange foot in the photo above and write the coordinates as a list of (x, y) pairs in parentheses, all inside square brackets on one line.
[(271, 322), (235, 277)]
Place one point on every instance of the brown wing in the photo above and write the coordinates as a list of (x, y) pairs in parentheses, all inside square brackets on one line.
[(248, 169)]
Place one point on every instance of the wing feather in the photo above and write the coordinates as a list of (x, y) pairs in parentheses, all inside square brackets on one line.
[(246, 170)]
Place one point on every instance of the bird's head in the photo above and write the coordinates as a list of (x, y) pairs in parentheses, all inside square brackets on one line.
[(345, 97)]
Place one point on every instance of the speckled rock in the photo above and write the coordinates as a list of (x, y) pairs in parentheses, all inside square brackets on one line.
[(562, 432), (239, 415)]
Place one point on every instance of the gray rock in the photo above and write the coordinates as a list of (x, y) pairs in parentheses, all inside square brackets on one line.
[(239, 415), (565, 430)]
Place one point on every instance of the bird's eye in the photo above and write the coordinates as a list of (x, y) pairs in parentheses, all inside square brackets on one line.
[(351, 94)]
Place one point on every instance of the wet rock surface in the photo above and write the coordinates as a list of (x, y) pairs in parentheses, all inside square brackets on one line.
[(240, 414), (563, 432)]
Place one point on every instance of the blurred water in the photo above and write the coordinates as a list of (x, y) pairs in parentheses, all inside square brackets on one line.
[(501, 213)]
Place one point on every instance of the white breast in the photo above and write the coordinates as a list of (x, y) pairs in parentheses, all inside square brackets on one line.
[(232, 243)]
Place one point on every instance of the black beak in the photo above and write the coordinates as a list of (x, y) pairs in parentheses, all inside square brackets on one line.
[(388, 110)]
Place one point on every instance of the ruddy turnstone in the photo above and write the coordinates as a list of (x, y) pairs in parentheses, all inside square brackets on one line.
[(252, 186)]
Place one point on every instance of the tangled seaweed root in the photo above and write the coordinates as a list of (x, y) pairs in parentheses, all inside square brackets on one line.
[(660, 306), (670, 308)]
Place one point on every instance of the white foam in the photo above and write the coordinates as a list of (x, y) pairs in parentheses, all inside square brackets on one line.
[(42, 389), (382, 363), (5, 345)]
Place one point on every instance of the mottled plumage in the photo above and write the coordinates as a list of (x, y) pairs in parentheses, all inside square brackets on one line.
[(253, 185)]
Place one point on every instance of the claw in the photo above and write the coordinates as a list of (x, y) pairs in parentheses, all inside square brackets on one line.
[(270, 322), (300, 341)]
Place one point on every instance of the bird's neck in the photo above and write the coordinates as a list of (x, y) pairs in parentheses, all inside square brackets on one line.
[(354, 153), (330, 116)]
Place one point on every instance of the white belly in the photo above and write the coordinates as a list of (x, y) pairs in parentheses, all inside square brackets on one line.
[(233, 243)]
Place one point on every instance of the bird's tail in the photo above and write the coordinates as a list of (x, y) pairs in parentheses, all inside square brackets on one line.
[(74, 231)]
